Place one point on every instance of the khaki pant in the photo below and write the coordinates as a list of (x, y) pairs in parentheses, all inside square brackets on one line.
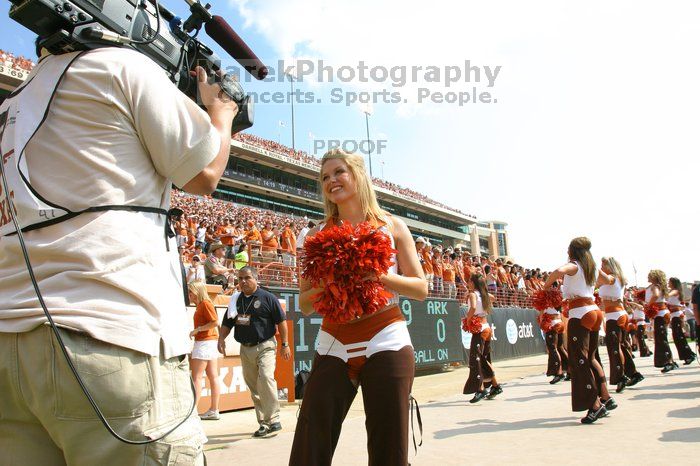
[(259, 374), (45, 419)]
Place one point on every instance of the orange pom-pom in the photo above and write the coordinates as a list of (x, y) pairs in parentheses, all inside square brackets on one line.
[(343, 257), (472, 325), (545, 299)]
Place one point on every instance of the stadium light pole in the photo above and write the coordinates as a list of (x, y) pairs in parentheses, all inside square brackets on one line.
[(367, 110), (290, 75)]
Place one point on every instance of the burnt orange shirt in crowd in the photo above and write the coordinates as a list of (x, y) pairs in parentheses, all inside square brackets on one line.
[(226, 234), (289, 241), (269, 239), (448, 272), (204, 314), (459, 272), (437, 266), (253, 235), (502, 277), (427, 262), (466, 271)]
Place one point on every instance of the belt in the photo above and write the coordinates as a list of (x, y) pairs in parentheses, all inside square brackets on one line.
[(612, 306), (580, 302), (254, 344)]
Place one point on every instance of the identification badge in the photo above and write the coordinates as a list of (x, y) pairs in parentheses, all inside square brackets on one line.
[(243, 319)]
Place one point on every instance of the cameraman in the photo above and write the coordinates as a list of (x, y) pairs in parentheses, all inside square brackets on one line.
[(117, 132)]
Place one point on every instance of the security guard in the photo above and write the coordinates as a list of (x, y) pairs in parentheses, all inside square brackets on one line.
[(253, 315)]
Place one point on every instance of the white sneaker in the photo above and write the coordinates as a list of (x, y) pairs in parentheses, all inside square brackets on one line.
[(210, 416)]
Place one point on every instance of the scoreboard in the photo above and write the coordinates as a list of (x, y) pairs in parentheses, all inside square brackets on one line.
[(434, 326)]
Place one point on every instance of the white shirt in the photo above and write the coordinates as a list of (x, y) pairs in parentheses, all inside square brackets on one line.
[(118, 132), (576, 286), (196, 275), (688, 312), (302, 237), (201, 234), (612, 292)]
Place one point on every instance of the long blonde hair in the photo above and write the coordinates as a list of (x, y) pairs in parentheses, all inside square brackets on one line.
[(658, 278), (198, 289), (580, 251), (365, 191), (615, 269)]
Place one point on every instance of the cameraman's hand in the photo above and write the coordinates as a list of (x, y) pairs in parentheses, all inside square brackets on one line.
[(221, 110), (213, 97)]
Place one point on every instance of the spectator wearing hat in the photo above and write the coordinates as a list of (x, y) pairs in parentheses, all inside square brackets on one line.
[(215, 271), (195, 272), (420, 244)]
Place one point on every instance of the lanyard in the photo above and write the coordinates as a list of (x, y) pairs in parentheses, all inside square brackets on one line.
[(245, 309)]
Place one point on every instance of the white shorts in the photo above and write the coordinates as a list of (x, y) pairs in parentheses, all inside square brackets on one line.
[(614, 315), (205, 350)]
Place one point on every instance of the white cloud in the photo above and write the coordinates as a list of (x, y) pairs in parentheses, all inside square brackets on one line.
[(593, 133)]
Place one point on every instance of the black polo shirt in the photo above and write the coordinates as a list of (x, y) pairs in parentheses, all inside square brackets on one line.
[(265, 313)]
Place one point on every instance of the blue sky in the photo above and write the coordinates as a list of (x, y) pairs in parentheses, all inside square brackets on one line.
[(594, 131)]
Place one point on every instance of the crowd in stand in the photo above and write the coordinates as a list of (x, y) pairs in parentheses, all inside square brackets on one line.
[(216, 238), (18, 62), (299, 155), (222, 237), (449, 269), (208, 225), (306, 158)]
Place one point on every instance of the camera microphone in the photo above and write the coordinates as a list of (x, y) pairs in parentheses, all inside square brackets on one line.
[(218, 29)]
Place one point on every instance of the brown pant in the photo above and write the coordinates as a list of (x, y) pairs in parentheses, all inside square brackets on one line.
[(386, 380), (630, 366), (557, 357), (684, 351), (587, 375), (642, 341), (662, 352), (613, 341), (480, 368)]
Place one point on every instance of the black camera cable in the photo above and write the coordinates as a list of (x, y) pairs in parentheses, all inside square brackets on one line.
[(54, 328)]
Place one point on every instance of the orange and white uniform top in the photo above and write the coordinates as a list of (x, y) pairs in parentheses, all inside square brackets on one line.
[(612, 300), (660, 301), (479, 311), (354, 342), (639, 317), (579, 294), (674, 304)]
